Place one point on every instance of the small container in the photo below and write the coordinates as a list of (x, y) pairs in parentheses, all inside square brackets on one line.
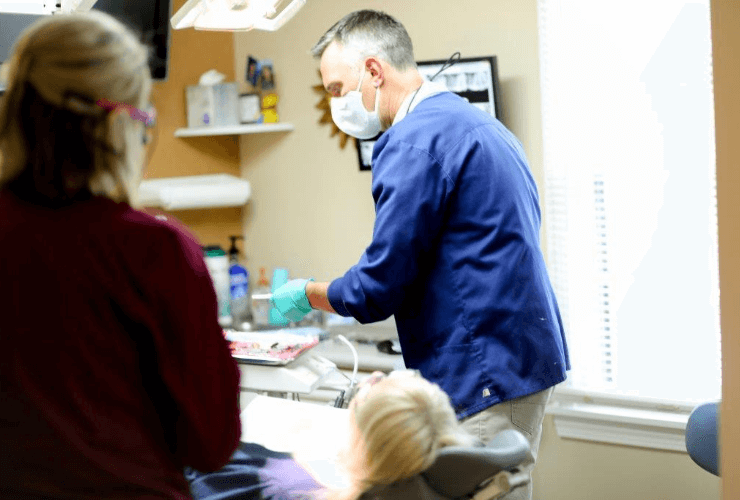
[(261, 307), (239, 289), (218, 267)]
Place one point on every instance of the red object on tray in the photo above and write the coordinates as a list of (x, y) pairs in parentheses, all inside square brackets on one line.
[(279, 351)]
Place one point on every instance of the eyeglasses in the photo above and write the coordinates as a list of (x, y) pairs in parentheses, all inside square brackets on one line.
[(148, 117), (149, 124), (151, 116)]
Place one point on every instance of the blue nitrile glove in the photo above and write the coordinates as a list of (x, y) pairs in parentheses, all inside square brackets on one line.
[(290, 300)]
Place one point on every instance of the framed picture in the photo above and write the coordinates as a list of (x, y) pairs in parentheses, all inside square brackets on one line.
[(474, 78), (365, 152)]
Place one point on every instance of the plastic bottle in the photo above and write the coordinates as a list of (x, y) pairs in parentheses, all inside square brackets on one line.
[(239, 288), (279, 278), (261, 307), (218, 267)]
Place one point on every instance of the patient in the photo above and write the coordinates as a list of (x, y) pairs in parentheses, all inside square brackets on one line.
[(400, 422)]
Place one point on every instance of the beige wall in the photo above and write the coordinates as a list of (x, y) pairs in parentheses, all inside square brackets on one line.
[(726, 41), (191, 54), (569, 469), (312, 211)]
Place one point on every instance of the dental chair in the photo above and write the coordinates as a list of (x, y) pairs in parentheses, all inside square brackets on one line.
[(276, 430), (477, 473)]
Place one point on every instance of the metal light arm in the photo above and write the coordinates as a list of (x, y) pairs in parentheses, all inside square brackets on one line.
[(234, 15)]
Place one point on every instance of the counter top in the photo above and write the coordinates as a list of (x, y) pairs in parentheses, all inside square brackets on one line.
[(364, 338), (370, 358)]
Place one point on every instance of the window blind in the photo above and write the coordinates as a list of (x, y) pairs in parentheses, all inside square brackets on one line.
[(630, 193)]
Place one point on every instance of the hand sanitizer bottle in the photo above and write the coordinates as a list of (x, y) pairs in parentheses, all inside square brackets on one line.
[(239, 289), (218, 267), (261, 307)]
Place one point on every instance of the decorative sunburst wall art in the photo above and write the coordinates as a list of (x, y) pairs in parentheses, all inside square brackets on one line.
[(325, 108)]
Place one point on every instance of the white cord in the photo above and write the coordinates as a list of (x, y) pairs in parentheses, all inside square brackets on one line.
[(357, 361)]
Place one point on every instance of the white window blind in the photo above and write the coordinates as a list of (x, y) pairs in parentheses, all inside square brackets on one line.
[(630, 195)]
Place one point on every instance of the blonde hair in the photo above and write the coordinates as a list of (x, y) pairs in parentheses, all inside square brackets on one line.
[(54, 135), (399, 428)]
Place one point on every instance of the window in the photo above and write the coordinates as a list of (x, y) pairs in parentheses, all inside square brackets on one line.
[(630, 194)]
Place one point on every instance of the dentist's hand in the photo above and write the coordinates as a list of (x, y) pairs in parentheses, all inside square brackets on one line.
[(290, 300)]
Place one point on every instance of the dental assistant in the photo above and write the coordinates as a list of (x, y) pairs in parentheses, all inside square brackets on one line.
[(455, 255), (114, 371)]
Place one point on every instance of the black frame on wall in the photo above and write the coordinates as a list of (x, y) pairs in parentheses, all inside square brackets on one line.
[(473, 78)]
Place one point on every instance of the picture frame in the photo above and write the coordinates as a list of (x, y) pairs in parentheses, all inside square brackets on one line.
[(473, 78), (365, 152)]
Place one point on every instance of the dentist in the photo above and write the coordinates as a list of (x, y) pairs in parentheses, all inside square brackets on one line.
[(455, 255)]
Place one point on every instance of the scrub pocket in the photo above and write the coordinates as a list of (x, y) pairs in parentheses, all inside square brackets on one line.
[(528, 412)]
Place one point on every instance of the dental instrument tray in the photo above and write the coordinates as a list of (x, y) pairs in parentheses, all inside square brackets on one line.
[(271, 347)]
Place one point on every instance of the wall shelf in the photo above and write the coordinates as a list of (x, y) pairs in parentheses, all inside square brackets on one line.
[(249, 128), (204, 191), (194, 192)]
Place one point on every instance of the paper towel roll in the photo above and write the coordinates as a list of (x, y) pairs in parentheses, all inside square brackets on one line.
[(192, 192)]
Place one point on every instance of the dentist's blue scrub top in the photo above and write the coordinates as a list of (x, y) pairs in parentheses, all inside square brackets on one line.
[(456, 258)]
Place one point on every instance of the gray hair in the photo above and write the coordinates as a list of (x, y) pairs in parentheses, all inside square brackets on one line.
[(370, 33)]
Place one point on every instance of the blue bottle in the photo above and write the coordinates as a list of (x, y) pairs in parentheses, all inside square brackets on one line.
[(239, 288), (279, 278)]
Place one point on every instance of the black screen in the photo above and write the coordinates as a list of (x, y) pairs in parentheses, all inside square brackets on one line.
[(151, 20)]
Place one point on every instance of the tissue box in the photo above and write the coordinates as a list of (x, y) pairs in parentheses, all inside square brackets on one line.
[(212, 105)]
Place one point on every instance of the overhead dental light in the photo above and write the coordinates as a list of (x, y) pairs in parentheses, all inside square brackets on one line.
[(45, 7), (234, 15)]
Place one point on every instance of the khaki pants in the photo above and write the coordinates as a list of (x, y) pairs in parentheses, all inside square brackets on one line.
[(524, 414)]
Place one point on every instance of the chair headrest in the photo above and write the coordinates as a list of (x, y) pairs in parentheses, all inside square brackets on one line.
[(415, 488), (459, 471)]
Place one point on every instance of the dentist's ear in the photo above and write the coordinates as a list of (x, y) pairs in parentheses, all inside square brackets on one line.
[(375, 68)]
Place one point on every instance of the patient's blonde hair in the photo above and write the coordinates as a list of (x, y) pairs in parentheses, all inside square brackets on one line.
[(399, 428), (53, 133)]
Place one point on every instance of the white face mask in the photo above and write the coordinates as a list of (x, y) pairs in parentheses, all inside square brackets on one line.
[(350, 115)]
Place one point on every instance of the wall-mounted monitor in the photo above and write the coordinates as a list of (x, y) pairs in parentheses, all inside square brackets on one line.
[(475, 79), (150, 18)]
